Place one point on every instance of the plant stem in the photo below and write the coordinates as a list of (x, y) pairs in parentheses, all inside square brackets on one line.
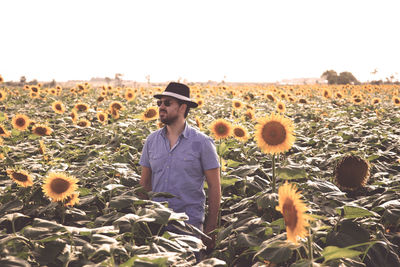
[(273, 174), (309, 242)]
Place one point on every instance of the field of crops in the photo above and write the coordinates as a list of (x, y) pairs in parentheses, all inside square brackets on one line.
[(69, 177)]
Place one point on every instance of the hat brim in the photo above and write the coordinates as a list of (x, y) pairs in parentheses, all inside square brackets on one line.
[(187, 100)]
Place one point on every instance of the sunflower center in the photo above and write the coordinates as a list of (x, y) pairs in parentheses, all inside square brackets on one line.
[(290, 214), (40, 131), (221, 129), (59, 185), (238, 132), (397, 101), (20, 122), (150, 113), (273, 133), (2, 130), (270, 97), (101, 117), (237, 104), (58, 107), (116, 106), (20, 177)]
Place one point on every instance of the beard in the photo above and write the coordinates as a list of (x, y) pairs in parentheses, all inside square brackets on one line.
[(166, 119)]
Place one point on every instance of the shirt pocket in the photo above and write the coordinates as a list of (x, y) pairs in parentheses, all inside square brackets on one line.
[(191, 163), (157, 161)]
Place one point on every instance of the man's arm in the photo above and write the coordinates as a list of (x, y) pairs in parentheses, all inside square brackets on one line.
[(214, 200), (145, 179)]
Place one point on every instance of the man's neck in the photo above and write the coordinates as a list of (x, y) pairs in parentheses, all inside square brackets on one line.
[(176, 129)]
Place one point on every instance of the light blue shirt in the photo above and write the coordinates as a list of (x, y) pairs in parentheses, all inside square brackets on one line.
[(180, 170)]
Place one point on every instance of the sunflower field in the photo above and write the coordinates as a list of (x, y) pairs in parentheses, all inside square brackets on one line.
[(310, 177)]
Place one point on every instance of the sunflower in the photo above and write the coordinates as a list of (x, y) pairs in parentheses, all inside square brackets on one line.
[(129, 95), (53, 91), (74, 115), (116, 105), (270, 97), (151, 113), (351, 172), (240, 133), (102, 117), (21, 177), (34, 94), (236, 104), (280, 107), (1, 79), (41, 130), (35, 89), (3, 95), (82, 107), (396, 100), (83, 123), (115, 114), (3, 131), (376, 101), (303, 101), (72, 199), (358, 100), (200, 102), (221, 129), (198, 122), (293, 210), (100, 99), (338, 95), (58, 186), (249, 114), (20, 122), (327, 93), (58, 107), (274, 134)]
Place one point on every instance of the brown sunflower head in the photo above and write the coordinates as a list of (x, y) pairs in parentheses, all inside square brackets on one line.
[(83, 123), (116, 105), (82, 107), (221, 129), (20, 122), (41, 130), (351, 172), (150, 113), (21, 177)]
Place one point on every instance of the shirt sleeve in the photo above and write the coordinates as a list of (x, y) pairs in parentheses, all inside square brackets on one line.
[(144, 158), (209, 157)]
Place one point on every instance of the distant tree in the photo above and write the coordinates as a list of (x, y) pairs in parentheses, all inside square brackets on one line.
[(347, 78), (52, 83), (343, 78), (22, 80), (331, 76)]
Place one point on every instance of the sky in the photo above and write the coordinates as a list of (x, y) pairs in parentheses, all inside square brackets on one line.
[(198, 41)]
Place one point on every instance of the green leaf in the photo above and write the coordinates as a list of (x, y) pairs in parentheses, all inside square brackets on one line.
[(291, 173), (222, 149), (276, 252), (332, 252), (351, 212)]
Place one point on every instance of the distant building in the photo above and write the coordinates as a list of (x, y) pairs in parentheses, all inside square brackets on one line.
[(303, 81)]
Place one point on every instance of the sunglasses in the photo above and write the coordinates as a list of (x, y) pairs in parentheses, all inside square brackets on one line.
[(166, 102)]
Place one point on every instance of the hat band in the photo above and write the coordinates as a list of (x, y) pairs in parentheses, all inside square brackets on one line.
[(181, 97)]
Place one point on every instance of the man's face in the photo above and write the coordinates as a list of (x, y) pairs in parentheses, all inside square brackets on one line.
[(168, 110)]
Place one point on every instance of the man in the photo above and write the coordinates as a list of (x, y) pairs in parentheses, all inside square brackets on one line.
[(178, 158)]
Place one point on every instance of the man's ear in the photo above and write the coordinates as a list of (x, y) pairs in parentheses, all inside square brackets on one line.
[(184, 108)]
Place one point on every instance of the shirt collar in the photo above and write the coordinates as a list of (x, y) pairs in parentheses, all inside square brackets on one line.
[(185, 133)]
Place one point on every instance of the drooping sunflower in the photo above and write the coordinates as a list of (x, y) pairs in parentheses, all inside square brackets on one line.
[(129, 95), (351, 172), (83, 123), (21, 177), (82, 107), (116, 105), (102, 117), (293, 210), (151, 113), (74, 115), (42, 147), (20, 122), (240, 133), (270, 97), (58, 186), (3, 131), (221, 129), (375, 101), (396, 100), (58, 107), (3, 95), (280, 107), (41, 130), (236, 104), (72, 199), (274, 134)]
